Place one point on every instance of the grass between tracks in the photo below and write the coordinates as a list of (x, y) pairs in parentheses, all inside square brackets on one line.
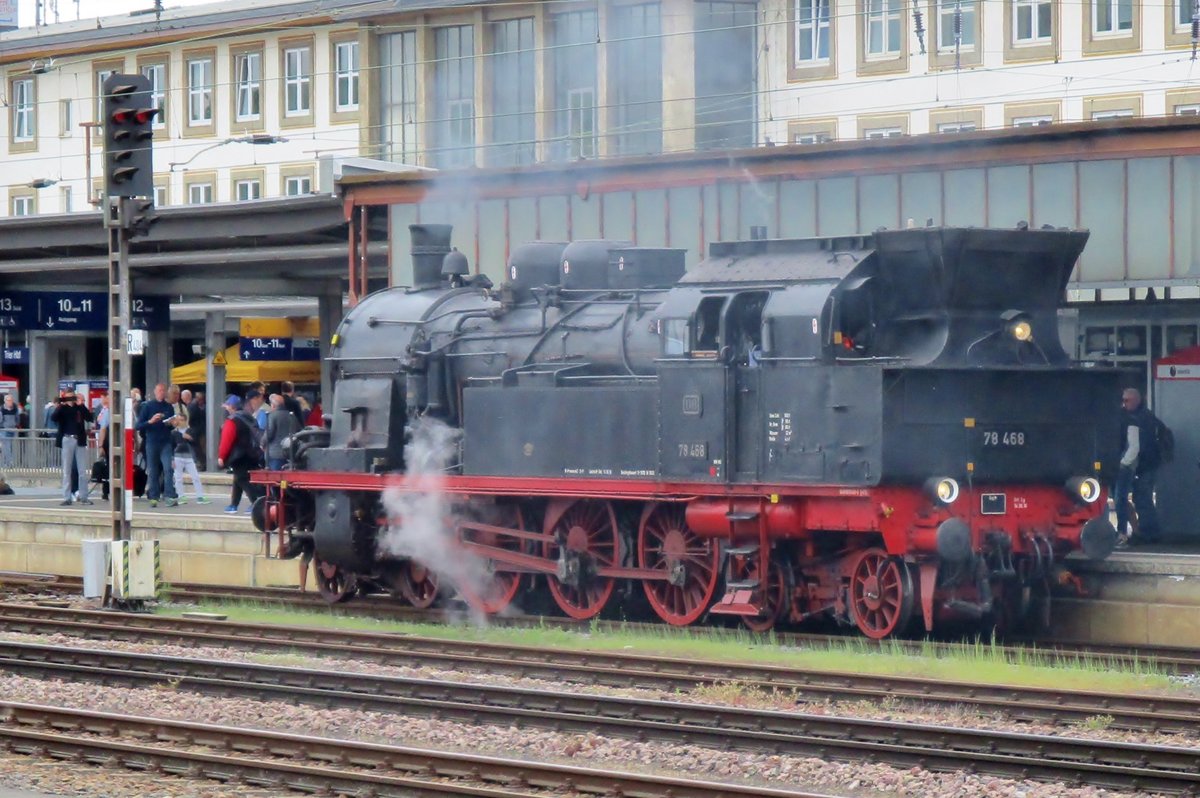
[(981, 663)]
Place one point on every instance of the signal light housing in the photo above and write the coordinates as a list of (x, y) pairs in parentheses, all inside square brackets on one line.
[(128, 136)]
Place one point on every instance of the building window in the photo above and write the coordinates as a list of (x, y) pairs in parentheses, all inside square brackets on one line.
[(884, 34), (1122, 113), (812, 32), (246, 190), (1031, 121), (955, 127), (66, 116), (1183, 12), (398, 95), (1112, 16), (160, 196), (248, 67), (22, 206), (513, 104), (23, 110), (575, 76), (725, 86), (65, 196), (157, 75), (454, 94), (882, 133), (1187, 110), (101, 76), (635, 79), (297, 81), (346, 56), (297, 185), (810, 138), (200, 91), (956, 24), (200, 193), (1032, 20)]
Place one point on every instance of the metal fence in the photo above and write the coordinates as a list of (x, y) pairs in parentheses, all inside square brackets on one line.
[(32, 451)]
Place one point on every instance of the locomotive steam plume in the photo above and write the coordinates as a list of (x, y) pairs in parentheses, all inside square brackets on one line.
[(421, 517)]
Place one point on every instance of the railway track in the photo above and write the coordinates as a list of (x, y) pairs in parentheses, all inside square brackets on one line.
[(320, 765), (1164, 658), (1136, 712), (1051, 758)]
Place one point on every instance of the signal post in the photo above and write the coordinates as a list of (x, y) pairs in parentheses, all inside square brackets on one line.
[(128, 211)]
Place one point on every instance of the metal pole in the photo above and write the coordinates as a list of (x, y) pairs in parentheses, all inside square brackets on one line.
[(120, 429)]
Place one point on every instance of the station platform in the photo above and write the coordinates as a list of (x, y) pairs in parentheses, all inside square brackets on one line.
[(198, 543)]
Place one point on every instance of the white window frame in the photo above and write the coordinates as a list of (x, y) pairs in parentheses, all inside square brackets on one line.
[(1036, 34), (65, 194), (1119, 113), (160, 196), (346, 83), (200, 92), (248, 74), (200, 193), (889, 132), (970, 8), (956, 127), (1115, 27), (1036, 120), (297, 81), (101, 76), (581, 122), (24, 106), (1191, 109), (810, 31), (297, 185), (248, 189), (1183, 14), (810, 138), (881, 14), (22, 206), (157, 75), (66, 117)]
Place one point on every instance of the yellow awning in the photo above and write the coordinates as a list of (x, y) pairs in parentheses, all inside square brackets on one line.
[(238, 370)]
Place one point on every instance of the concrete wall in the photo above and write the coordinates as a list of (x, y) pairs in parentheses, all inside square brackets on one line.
[(205, 550)]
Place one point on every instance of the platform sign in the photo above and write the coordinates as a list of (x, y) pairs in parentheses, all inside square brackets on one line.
[(279, 339), (260, 348), (88, 311), (306, 349), (18, 310), (16, 355)]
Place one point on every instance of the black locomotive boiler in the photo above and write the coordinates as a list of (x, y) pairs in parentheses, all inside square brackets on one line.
[(875, 428)]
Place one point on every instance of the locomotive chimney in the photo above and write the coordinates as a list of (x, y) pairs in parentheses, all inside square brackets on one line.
[(430, 245)]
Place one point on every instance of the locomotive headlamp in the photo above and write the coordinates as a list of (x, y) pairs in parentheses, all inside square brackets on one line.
[(943, 490), (1086, 489), (1017, 325)]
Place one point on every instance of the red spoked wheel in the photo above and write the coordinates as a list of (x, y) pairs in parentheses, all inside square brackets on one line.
[(666, 543), (333, 583), (775, 597), (584, 540), (502, 586), (417, 583), (881, 593)]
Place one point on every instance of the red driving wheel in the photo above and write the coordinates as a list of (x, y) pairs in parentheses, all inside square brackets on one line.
[(881, 593), (666, 543), (584, 539)]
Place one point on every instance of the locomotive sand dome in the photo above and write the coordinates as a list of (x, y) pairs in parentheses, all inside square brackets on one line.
[(877, 428)]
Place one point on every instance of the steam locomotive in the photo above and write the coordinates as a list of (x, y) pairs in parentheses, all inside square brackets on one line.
[(880, 429)]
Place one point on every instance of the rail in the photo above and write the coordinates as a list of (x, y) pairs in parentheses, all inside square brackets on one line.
[(32, 452)]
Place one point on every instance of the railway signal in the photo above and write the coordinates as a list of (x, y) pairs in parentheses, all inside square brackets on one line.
[(128, 136)]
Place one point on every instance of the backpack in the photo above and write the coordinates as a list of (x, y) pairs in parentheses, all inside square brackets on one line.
[(1164, 439)]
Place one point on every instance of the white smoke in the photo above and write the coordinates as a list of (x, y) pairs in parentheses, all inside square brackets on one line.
[(422, 519)]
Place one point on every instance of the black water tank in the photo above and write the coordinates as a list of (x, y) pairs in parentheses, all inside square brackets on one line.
[(585, 264), (645, 267)]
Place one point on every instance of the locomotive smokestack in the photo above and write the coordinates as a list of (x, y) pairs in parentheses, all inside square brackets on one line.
[(430, 245)]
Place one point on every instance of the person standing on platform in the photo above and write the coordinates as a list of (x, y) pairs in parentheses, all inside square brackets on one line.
[(1140, 459), (184, 462), (10, 421), (281, 423), (198, 421), (241, 449), (153, 423), (290, 401), (71, 418)]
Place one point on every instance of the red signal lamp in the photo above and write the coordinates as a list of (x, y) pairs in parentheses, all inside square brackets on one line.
[(122, 115), (144, 115)]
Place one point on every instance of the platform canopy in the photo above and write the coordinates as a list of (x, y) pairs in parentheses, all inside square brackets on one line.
[(238, 370)]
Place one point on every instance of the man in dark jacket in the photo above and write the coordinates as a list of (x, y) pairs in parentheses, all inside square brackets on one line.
[(1140, 459), (71, 418), (290, 402), (281, 424), (198, 420), (153, 424)]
